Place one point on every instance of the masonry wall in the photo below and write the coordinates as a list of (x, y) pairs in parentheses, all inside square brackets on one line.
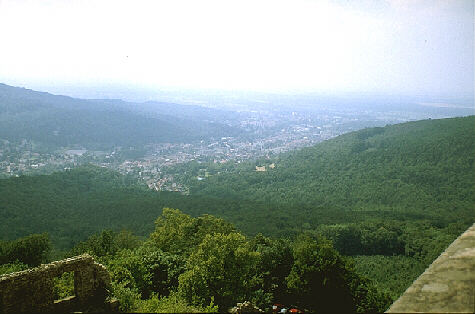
[(32, 289), (448, 285)]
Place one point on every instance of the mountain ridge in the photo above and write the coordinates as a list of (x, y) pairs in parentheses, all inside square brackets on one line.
[(405, 154), (65, 121)]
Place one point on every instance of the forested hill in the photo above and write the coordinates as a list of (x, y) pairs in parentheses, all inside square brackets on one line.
[(63, 121), (424, 167), (414, 171), (74, 204), (392, 197)]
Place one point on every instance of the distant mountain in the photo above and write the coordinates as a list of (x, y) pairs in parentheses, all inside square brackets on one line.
[(190, 112), (64, 121)]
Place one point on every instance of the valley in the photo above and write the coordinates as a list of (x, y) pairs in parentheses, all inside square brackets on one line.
[(233, 156), (247, 130), (280, 188)]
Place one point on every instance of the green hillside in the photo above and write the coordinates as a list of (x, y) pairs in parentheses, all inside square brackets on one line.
[(425, 168), (64, 121), (72, 205), (392, 197), (414, 171)]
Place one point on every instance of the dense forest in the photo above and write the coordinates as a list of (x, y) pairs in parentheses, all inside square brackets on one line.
[(423, 166), (359, 217), (394, 197), (205, 264)]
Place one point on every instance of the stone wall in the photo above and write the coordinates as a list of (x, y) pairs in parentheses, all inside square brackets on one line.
[(32, 289), (448, 285)]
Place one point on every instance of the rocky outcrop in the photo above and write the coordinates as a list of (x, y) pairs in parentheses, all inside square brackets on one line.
[(32, 289)]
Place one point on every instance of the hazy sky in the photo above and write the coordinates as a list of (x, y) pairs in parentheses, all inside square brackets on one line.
[(386, 46)]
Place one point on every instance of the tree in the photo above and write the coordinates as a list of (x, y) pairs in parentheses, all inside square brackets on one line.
[(317, 278), (31, 250), (321, 280), (274, 265), (148, 269), (106, 243), (221, 269), (178, 233)]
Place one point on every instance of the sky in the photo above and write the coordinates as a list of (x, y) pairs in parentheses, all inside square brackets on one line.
[(377, 46)]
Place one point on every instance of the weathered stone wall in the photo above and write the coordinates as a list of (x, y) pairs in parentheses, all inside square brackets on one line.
[(32, 289), (448, 285)]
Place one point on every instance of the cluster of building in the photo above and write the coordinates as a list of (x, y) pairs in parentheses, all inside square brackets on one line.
[(25, 157), (266, 134)]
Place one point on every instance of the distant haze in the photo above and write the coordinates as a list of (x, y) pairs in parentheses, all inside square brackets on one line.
[(384, 47)]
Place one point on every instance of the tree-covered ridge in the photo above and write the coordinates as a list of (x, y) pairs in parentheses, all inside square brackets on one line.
[(74, 204), (55, 121), (425, 167), (415, 171), (399, 194)]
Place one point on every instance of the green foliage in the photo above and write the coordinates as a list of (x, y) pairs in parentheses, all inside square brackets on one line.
[(366, 296), (173, 303), (222, 268), (368, 238), (63, 286), (31, 250), (148, 269), (274, 265), (409, 248), (146, 276), (394, 197), (424, 242), (12, 267), (317, 278), (106, 243), (322, 281), (74, 204), (391, 274), (179, 233), (415, 170), (129, 298)]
